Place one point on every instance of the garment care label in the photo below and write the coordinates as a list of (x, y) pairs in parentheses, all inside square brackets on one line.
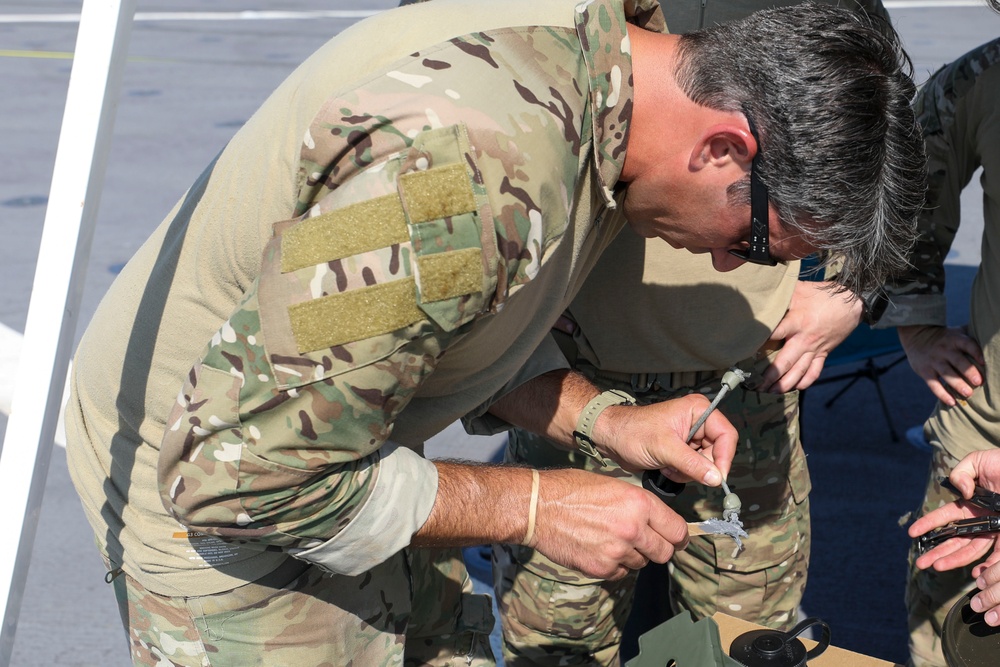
[(207, 550)]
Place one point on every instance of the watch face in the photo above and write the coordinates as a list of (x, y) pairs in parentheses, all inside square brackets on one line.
[(874, 306)]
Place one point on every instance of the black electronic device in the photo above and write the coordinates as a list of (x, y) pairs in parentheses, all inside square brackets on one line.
[(772, 648)]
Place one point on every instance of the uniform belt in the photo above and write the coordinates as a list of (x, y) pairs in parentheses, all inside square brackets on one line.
[(645, 382)]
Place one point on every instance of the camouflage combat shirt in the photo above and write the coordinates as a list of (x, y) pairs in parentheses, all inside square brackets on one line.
[(957, 109), (421, 207)]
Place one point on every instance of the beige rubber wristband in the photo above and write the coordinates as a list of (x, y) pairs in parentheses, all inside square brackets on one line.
[(588, 417), (532, 510)]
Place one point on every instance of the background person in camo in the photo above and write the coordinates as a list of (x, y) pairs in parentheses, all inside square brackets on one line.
[(657, 323), (978, 469), (957, 108), (379, 251)]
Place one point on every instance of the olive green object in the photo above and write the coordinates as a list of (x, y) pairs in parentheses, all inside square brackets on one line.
[(966, 638), (732, 502), (682, 642)]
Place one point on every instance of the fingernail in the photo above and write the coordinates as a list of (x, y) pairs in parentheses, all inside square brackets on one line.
[(976, 604), (713, 478), (992, 617), (981, 583)]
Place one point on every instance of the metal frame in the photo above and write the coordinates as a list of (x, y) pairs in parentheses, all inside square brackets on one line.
[(77, 179)]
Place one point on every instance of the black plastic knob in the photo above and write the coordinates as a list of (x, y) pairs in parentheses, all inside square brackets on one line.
[(772, 648)]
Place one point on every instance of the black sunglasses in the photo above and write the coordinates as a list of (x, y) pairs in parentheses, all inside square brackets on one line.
[(759, 249)]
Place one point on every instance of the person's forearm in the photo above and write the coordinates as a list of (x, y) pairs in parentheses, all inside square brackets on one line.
[(644, 437), (548, 405), (598, 525), (477, 504)]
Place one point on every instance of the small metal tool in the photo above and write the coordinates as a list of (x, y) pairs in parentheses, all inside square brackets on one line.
[(730, 381), (965, 527), (667, 489)]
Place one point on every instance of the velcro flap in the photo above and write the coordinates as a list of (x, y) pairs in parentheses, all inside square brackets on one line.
[(440, 192), (362, 227), (450, 274), (350, 316)]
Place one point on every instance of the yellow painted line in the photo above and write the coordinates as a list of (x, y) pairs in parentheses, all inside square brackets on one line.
[(57, 55), (67, 55)]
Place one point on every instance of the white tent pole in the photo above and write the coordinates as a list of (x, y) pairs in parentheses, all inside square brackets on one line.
[(77, 178)]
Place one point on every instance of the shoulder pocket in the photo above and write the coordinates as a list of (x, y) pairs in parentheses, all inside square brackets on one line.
[(354, 281)]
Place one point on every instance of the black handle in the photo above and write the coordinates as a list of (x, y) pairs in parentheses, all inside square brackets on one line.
[(665, 488), (824, 640)]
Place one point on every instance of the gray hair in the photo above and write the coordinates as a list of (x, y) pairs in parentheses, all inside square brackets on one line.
[(829, 90)]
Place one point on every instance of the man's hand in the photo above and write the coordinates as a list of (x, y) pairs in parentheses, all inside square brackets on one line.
[(958, 551), (637, 437), (818, 320), (982, 468), (654, 437), (947, 359), (603, 526), (593, 523)]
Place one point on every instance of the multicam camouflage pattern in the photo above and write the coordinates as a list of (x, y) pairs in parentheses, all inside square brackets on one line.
[(552, 615), (957, 110), (949, 127), (765, 582), (299, 615), (265, 433), (449, 624), (274, 445)]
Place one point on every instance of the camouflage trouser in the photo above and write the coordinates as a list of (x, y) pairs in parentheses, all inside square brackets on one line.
[(417, 608), (930, 595), (552, 615)]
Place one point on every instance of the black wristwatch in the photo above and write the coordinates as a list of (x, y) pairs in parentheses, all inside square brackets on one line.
[(873, 304)]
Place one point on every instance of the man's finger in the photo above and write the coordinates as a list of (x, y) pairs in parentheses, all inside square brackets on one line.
[(941, 551), (669, 525), (939, 517), (940, 393), (985, 573), (968, 552), (654, 546), (957, 382)]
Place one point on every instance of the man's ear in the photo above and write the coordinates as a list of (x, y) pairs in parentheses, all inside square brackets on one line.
[(723, 144)]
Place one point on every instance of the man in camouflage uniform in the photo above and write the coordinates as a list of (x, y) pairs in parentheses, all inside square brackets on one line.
[(961, 365), (655, 330), (979, 470), (419, 213)]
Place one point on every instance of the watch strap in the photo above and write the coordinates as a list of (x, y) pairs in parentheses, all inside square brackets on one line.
[(873, 304), (591, 411)]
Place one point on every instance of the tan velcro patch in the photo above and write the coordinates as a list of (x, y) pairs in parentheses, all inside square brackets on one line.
[(448, 274), (437, 193), (349, 316), (362, 227)]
